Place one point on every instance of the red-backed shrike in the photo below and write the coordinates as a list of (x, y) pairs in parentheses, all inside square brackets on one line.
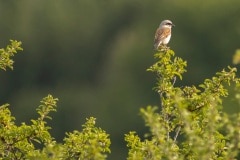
[(163, 34)]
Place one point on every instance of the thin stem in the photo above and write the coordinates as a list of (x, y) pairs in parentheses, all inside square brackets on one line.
[(166, 117), (174, 80), (177, 133)]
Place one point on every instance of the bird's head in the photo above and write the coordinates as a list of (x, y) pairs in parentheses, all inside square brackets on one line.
[(167, 23)]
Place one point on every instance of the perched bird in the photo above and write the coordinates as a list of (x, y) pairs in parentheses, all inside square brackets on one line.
[(163, 34)]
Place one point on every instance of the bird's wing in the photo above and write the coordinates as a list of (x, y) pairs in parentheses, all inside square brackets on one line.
[(161, 33)]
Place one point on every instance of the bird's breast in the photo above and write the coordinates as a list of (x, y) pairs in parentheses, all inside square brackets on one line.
[(167, 39)]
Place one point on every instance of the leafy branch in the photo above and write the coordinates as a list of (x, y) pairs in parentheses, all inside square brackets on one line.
[(34, 141), (190, 122), (7, 53)]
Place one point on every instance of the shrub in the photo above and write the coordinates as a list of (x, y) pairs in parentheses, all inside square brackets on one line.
[(191, 124), (35, 142)]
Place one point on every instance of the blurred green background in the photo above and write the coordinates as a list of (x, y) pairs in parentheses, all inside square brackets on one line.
[(93, 56)]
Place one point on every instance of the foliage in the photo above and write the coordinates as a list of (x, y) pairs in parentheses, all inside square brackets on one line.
[(7, 53), (21, 142), (88, 144), (236, 57), (191, 124), (34, 141)]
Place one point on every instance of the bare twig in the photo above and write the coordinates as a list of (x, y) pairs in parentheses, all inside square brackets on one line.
[(177, 133)]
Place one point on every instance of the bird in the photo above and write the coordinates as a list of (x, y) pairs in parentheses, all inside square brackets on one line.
[(163, 34)]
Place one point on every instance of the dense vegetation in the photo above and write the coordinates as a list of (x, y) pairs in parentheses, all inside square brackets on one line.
[(190, 125)]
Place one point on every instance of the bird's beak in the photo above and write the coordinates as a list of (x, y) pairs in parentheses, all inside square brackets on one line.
[(173, 25)]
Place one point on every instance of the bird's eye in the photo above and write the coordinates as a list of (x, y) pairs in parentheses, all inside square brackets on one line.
[(169, 24)]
